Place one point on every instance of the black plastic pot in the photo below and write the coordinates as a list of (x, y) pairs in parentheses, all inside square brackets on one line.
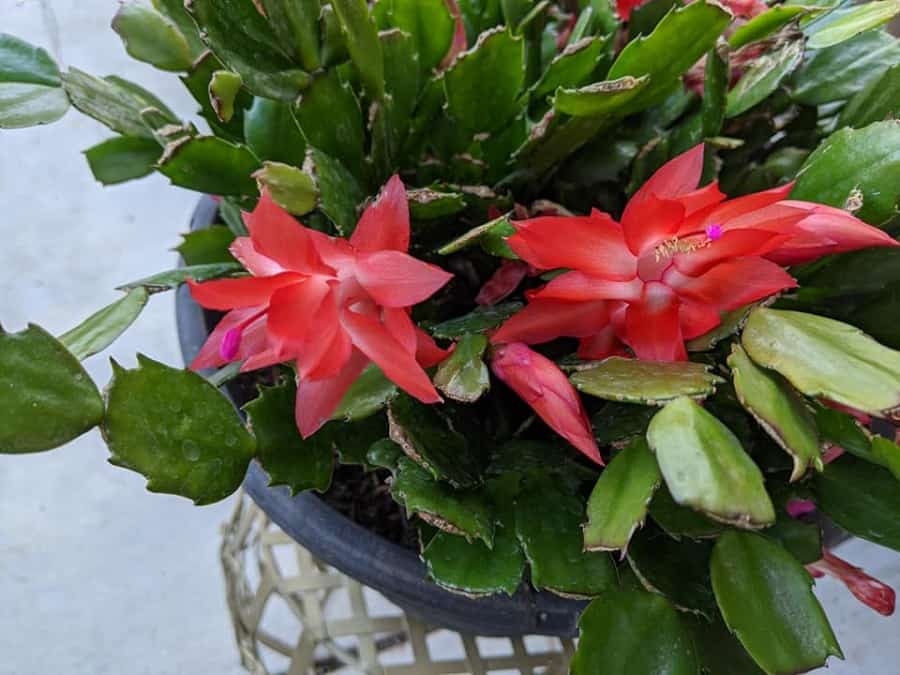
[(395, 571)]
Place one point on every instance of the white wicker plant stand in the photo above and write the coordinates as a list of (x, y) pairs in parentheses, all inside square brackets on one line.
[(294, 615)]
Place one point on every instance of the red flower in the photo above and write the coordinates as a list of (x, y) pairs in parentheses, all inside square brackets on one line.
[(329, 304), (680, 257), (867, 589), (538, 381)]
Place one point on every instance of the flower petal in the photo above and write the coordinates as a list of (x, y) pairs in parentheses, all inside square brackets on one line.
[(653, 326), (256, 263), (732, 209), (649, 222), (601, 345), (545, 320), (428, 353), (399, 325), (291, 309), (398, 364), (701, 198), (225, 294), (384, 225), (503, 282), (578, 286), (334, 358), (697, 318), (396, 279), (732, 244), (733, 283), (593, 244), (318, 399), (677, 177), (319, 338), (210, 355), (278, 236), (541, 384)]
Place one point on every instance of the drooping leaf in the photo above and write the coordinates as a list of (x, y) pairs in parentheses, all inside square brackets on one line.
[(177, 430), (464, 376), (765, 24), (850, 23), (778, 409), (646, 382), (681, 521), (836, 73), (766, 599), (430, 441), (46, 397), (210, 164), (466, 513), (150, 37), (862, 498), (864, 161), (272, 132), (879, 100), (296, 24), (497, 58), (239, 35), (123, 158), (362, 43), (633, 632), (477, 321), (102, 328), (548, 524), (290, 188), (172, 279), (107, 102), (339, 192), (677, 570), (207, 246), (763, 77), (283, 453), (618, 502), (490, 235), (824, 357), (706, 468), (30, 90)]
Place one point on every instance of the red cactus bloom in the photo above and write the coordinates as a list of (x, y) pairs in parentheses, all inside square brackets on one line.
[(679, 258), (541, 384), (331, 305), (867, 589)]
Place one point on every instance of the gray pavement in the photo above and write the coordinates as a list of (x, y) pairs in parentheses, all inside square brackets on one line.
[(98, 576)]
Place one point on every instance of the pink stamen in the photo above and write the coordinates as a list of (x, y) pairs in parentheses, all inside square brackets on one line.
[(231, 343), (867, 589), (714, 232), (798, 508)]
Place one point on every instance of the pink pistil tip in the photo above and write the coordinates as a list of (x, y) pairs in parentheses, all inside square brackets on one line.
[(797, 508), (714, 232), (231, 343)]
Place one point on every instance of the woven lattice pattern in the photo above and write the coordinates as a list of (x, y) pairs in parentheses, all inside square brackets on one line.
[(293, 614)]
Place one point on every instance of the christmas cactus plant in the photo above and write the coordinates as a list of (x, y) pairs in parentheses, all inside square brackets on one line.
[(607, 293)]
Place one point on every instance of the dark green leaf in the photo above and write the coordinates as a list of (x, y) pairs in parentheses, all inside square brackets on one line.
[(499, 58), (632, 632), (123, 158), (766, 599), (523, 457), (618, 424), (839, 428), (719, 651), (479, 320), (600, 99), (464, 376), (677, 570), (210, 164), (46, 397), (887, 454), (339, 192), (763, 77), (150, 37), (618, 503), (850, 22), (548, 524), (778, 409), (571, 68), (862, 498), (646, 382), (385, 454), (462, 512), (681, 521), (863, 162), (491, 235), (108, 102), (283, 453), (167, 281), (644, 18), (879, 100), (836, 73), (428, 204), (177, 430), (801, 539), (239, 35), (428, 22), (430, 441), (680, 39), (765, 24), (102, 328), (369, 394), (273, 134), (353, 440), (362, 43), (197, 82), (207, 246), (176, 13), (290, 188), (706, 468), (296, 23)]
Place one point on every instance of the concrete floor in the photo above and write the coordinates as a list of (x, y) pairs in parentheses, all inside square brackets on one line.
[(96, 575)]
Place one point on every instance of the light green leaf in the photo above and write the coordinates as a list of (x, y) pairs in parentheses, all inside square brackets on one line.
[(224, 88), (296, 23), (210, 164), (108, 101), (172, 279), (177, 430), (339, 192), (102, 328), (150, 37), (369, 394), (430, 24), (207, 246), (123, 158), (824, 357), (618, 502), (362, 43), (706, 468), (763, 25), (27, 105), (601, 98), (272, 133), (478, 320), (646, 382), (570, 68), (766, 599), (289, 187), (46, 397), (778, 409), (879, 100), (852, 22), (491, 235), (763, 77), (464, 376), (23, 63)]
